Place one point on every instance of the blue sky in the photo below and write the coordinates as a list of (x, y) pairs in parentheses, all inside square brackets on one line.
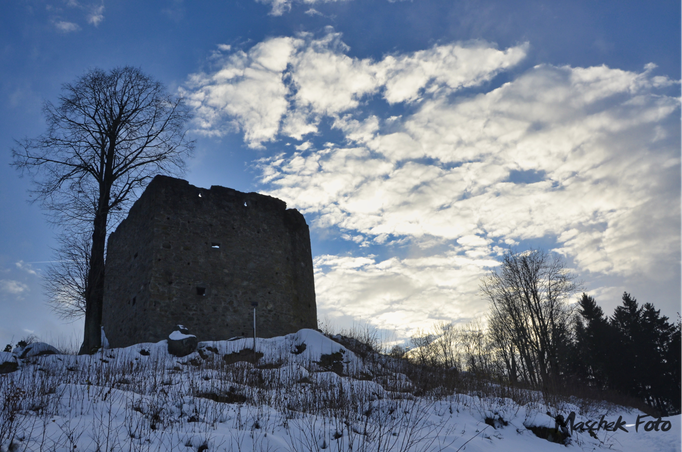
[(420, 139)]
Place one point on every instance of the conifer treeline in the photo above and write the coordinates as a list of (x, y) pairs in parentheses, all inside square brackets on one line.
[(636, 352)]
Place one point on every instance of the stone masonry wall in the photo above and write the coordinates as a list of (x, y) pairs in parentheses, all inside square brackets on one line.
[(200, 257)]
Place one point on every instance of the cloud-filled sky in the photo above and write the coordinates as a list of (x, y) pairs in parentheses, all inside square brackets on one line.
[(421, 139)]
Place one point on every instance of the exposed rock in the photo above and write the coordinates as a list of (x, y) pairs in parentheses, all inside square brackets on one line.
[(246, 355), (38, 349), (182, 344), (182, 329), (204, 350), (8, 363), (332, 362)]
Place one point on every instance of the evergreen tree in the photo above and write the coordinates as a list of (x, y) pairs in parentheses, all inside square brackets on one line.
[(646, 361), (626, 367), (594, 339), (660, 383), (673, 367), (636, 352)]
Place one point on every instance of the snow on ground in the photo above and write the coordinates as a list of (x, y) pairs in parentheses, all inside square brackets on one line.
[(305, 392)]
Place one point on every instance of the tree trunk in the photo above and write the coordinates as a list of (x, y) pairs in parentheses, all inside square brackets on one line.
[(94, 296), (94, 301)]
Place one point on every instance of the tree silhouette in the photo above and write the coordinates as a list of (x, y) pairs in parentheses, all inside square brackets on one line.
[(644, 355), (109, 134), (594, 341), (66, 278), (627, 367), (530, 317), (672, 369)]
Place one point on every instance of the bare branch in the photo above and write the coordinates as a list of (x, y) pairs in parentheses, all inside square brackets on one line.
[(530, 316)]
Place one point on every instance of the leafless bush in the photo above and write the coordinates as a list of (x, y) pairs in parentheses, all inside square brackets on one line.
[(10, 420)]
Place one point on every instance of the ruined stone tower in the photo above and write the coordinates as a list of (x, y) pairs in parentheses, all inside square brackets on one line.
[(201, 257)]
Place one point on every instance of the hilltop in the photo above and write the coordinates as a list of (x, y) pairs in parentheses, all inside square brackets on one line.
[(300, 392)]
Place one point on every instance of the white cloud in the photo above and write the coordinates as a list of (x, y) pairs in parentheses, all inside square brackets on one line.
[(66, 27), (513, 128), (286, 85), (279, 7), (28, 268), (303, 146), (328, 81), (12, 287), (441, 179), (445, 68), (407, 294), (604, 142), (248, 90), (96, 15)]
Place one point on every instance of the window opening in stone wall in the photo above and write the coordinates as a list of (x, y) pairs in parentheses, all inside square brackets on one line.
[(215, 245), (201, 291), (133, 301), (200, 195), (245, 204)]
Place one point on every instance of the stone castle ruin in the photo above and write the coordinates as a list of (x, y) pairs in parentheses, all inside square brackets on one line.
[(201, 258)]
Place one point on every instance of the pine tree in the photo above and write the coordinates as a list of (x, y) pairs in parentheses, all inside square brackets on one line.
[(673, 368), (594, 338), (646, 361), (625, 367), (660, 383)]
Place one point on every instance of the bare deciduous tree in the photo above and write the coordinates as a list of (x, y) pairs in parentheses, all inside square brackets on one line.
[(109, 134), (464, 347), (475, 348), (423, 349), (530, 316), (66, 277)]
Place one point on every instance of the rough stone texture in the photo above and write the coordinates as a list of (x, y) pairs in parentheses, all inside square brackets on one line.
[(38, 349), (183, 346), (200, 257), (8, 363)]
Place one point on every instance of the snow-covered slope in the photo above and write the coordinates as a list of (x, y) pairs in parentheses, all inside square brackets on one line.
[(301, 392)]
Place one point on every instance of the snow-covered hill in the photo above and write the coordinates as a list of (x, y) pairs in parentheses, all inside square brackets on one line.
[(301, 392)]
